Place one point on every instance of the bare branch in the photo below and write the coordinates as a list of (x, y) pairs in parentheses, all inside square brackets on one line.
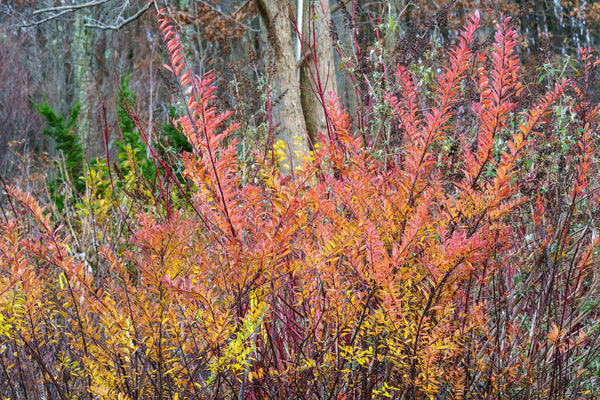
[(124, 22), (53, 16), (69, 8), (61, 10)]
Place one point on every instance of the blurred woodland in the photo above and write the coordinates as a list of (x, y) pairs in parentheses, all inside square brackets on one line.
[(77, 52)]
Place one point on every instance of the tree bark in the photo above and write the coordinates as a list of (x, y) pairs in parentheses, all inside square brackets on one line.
[(81, 46), (299, 113), (276, 16), (317, 74)]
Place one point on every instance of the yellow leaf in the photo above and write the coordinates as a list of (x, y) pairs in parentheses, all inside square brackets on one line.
[(555, 334)]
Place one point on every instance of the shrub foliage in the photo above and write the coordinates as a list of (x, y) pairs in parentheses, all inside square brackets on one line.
[(463, 263)]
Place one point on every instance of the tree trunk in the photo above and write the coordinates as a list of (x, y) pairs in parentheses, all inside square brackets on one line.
[(276, 16), (81, 46), (295, 122), (317, 75)]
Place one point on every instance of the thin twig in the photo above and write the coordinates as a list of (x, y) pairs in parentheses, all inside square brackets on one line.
[(61, 10), (35, 23), (117, 27), (69, 8)]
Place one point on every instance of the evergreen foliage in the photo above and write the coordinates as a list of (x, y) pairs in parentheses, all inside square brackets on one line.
[(68, 142)]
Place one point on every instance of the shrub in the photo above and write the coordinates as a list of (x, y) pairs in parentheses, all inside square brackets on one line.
[(431, 272)]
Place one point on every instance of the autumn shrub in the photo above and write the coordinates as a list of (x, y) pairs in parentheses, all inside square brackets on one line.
[(463, 263)]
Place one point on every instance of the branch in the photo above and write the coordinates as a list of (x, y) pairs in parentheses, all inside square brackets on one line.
[(53, 16), (69, 8), (60, 10), (124, 22)]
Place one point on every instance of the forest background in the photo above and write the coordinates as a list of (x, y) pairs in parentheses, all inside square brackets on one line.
[(429, 232), (71, 53)]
